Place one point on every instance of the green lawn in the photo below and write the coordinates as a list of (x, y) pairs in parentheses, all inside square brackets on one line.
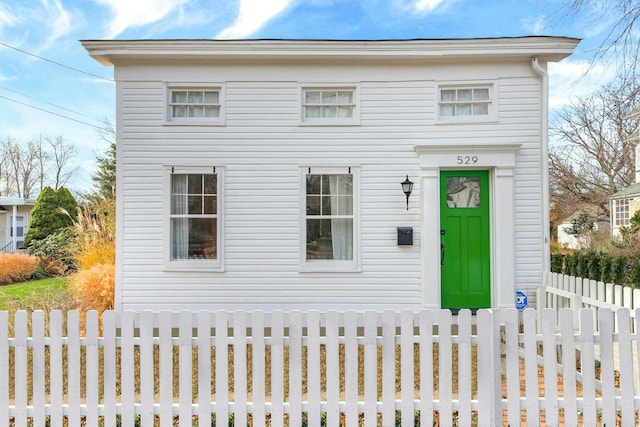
[(18, 291)]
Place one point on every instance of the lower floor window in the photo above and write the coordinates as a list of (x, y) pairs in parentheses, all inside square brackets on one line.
[(194, 217), (329, 217)]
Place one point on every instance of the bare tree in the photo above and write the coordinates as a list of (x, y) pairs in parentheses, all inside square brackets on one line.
[(592, 156), (42, 159), (621, 40), (13, 154), (104, 178), (5, 188), (26, 168), (29, 170), (61, 154)]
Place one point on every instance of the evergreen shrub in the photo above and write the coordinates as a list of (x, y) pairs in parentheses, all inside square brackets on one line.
[(557, 261), (53, 211)]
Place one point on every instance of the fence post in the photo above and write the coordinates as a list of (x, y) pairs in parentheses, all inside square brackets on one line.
[(541, 295), (489, 386), (4, 365), (575, 303)]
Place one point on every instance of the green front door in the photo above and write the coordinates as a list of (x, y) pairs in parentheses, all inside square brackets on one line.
[(464, 239)]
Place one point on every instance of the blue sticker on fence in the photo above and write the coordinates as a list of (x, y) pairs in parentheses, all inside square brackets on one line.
[(521, 300)]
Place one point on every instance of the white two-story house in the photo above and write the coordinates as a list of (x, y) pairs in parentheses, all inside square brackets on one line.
[(266, 174)]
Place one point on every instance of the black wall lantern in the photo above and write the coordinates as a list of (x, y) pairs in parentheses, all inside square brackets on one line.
[(407, 187)]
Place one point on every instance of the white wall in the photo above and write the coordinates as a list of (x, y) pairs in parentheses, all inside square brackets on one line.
[(262, 147)]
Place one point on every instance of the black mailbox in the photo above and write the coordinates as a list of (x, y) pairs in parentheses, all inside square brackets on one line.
[(405, 236)]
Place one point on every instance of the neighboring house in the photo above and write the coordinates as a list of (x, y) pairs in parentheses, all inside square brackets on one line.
[(626, 202), (623, 205), (15, 214), (265, 174), (567, 237)]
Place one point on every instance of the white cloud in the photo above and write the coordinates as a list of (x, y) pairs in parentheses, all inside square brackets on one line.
[(135, 13), (59, 21), (252, 15), (537, 26), (424, 6), (7, 19), (575, 79)]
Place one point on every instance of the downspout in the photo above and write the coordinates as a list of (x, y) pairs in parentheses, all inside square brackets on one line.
[(544, 150)]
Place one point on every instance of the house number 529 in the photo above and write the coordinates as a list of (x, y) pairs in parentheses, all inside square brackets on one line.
[(467, 160)]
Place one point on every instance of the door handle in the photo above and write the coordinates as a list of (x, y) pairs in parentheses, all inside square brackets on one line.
[(442, 251)]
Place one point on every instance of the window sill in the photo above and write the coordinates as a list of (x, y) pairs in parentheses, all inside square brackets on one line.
[(194, 123), (194, 267), (330, 268), (466, 121), (330, 123)]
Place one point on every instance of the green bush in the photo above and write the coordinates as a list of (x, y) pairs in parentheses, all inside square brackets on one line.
[(634, 274), (606, 272), (569, 265), (55, 252), (582, 265), (54, 210), (556, 263), (618, 270), (593, 265), (594, 270)]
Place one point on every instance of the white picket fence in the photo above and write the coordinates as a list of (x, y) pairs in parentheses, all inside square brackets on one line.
[(336, 368), (560, 291)]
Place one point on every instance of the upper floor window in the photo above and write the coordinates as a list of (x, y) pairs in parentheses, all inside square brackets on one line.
[(195, 105), (329, 105), (193, 214), (465, 102), (621, 211)]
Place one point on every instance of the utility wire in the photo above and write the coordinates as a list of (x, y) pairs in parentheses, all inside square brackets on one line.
[(51, 112), (53, 105), (54, 62)]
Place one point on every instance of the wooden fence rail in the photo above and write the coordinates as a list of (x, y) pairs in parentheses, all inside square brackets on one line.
[(335, 368)]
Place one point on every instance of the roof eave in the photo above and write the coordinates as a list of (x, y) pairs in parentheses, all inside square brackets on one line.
[(547, 49)]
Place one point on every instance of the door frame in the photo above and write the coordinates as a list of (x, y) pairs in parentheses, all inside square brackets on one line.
[(499, 160)]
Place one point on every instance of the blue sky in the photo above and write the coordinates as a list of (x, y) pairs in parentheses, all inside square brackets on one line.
[(51, 29)]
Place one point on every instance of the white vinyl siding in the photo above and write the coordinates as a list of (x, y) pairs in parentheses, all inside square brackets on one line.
[(262, 147)]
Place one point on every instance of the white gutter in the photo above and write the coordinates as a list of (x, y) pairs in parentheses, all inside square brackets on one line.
[(544, 142)]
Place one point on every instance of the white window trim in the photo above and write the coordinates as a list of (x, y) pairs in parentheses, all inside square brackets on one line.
[(216, 265), (355, 120), (330, 266), (194, 121), (618, 219), (492, 117)]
